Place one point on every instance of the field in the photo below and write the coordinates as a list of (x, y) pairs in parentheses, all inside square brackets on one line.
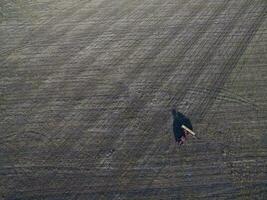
[(87, 88)]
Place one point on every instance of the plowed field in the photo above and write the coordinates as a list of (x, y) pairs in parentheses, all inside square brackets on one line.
[(87, 88)]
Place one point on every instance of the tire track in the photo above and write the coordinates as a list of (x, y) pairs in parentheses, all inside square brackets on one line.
[(188, 47), (199, 67), (229, 66), (231, 62), (225, 95), (190, 80)]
